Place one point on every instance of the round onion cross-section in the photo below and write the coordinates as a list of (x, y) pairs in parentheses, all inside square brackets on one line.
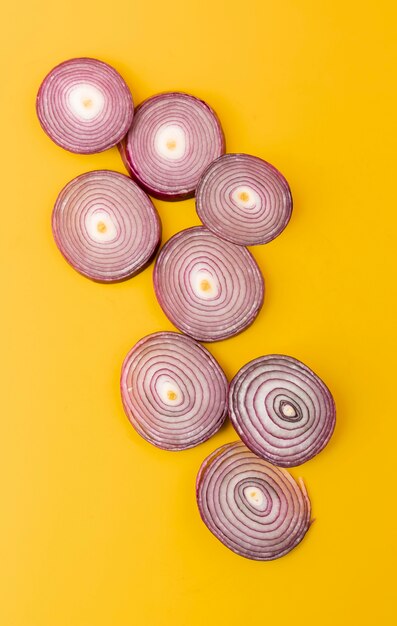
[(173, 391), (281, 409), (243, 199), (254, 508), (208, 288), (173, 138), (105, 226), (85, 106)]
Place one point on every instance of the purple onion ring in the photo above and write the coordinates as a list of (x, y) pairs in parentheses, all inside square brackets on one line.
[(173, 137), (84, 106), (105, 226), (254, 508), (173, 391), (243, 199), (208, 288), (281, 409)]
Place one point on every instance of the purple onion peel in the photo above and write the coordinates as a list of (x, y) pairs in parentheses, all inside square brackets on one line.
[(173, 391), (281, 409), (105, 226), (255, 509), (173, 138), (208, 288), (85, 106), (243, 199)]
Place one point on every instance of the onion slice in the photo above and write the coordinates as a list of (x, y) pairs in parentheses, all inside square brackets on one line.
[(173, 137), (254, 508), (208, 288), (105, 226), (173, 391), (243, 199), (84, 106), (281, 409)]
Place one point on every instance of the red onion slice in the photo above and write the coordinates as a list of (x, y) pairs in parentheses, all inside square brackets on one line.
[(208, 288), (243, 199), (281, 409), (105, 226), (173, 390), (84, 106), (254, 508), (173, 137)]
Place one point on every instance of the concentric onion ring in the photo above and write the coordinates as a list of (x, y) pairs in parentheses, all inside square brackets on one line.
[(208, 288), (173, 137), (173, 391), (281, 409), (243, 199), (254, 508), (84, 106), (105, 226)]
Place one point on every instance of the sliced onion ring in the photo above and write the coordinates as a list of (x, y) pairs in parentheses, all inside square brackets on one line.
[(254, 508), (243, 199), (105, 226), (208, 288), (173, 137), (173, 391), (281, 409), (84, 106)]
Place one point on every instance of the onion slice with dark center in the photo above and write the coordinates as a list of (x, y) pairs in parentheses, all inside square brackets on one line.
[(173, 391), (105, 226), (84, 106), (281, 409), (208, 288), (254, 508), (173, 137), (243, 199)]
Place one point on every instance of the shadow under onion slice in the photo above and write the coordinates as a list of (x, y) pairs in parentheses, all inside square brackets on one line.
[(85, 106), (254, 508), (173, 137), (243, 199), (208, 288), (105, 226), (173, 391), (281, 409)]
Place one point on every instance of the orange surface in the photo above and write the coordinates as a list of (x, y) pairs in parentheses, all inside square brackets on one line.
[(97, 527)]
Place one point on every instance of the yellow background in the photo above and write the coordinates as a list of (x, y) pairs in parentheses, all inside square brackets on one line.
[(97, 527)]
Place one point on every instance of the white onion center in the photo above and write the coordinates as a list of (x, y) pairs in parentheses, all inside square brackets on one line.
[(255, 496), (100, 226), (170, 142), (86, 101), (204, 284), (288, 410), (168, 391), (246, 198)]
